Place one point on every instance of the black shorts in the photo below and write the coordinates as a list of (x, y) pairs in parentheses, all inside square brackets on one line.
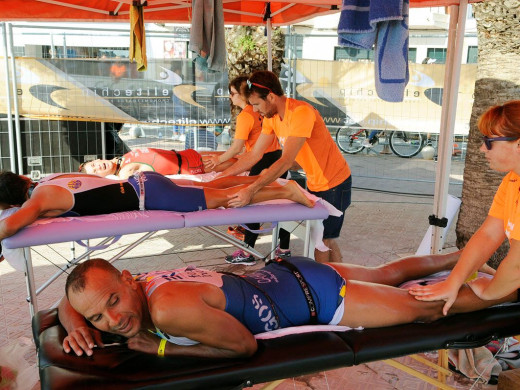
[(265, 162), (339, 197)]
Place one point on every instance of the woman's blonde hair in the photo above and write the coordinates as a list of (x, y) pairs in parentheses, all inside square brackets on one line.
[(501, 120)]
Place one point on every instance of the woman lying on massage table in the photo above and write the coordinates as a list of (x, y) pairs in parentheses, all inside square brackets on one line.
[(500, 126), (91, 195), (165, 162), (215, 314)]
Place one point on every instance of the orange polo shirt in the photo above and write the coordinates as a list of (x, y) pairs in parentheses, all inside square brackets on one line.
[(249, 128), (319, 156), (505, 205)]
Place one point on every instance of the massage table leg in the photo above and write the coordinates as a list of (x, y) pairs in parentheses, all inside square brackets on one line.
[(301, 231), (273, 385), (232, 240), (274, 241), (420, 375), (29, 278), (443, 362)]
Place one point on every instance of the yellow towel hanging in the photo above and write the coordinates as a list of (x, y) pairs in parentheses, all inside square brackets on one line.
[(137, 37)]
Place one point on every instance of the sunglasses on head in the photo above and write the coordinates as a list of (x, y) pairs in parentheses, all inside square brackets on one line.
[(250, 85), (488, 141)]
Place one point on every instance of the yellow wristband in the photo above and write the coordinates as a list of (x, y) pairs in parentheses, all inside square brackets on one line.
[(162, 348)]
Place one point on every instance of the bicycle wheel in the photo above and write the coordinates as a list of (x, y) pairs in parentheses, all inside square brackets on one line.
[(406, 144), (350, 139)]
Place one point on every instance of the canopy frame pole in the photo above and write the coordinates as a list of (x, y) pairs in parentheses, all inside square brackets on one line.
[(448, 114), (10, 131), (15, 101), (269, 30), (269, 46)]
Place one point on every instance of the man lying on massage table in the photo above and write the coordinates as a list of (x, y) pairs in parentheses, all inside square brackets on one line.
[(82, 194), (165, 162), (216, 314)]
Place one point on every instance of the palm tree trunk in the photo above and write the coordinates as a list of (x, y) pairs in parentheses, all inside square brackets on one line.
[(498, 80)]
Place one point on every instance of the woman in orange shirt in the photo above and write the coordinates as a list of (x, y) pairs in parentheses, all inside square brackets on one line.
[(500, 126)]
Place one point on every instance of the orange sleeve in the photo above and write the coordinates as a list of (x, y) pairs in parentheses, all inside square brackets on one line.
[(302, 121), (498, 206), (267, 126), (245, 123)]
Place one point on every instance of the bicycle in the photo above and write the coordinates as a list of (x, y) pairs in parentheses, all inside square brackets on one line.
[(404, 144)]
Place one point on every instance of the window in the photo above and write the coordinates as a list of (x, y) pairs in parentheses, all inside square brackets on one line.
[(349, 53), (438, 54), (294, 43), (472, 55), (412, 54), (19, 51)]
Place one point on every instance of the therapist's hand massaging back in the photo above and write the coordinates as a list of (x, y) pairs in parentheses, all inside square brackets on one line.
[(216, 315), (92, 195), (500, 126)]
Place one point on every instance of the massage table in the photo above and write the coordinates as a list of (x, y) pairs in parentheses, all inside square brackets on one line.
[(112, 226), (116, 367)]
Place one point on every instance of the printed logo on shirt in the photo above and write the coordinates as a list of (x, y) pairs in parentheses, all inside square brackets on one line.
[(265, 314), (263, 277), (509, 228), (74, 184)]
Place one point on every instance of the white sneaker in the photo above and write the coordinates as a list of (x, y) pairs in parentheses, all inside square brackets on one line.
[(240, 257), (366, 143)]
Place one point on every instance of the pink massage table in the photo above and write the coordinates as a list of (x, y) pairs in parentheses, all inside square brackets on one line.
[(75, 229)]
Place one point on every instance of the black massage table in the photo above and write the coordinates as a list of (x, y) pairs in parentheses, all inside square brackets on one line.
[(116, 367)]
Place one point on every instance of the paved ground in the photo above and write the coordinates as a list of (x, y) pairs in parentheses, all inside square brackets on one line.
[(387, 220)]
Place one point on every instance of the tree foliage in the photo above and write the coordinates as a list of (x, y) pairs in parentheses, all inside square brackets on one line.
[(247, 52)]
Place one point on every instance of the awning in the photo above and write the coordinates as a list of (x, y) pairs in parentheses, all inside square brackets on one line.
[(245, 12)]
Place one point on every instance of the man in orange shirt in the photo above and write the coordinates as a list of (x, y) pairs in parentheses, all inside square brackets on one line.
[(305, 140)]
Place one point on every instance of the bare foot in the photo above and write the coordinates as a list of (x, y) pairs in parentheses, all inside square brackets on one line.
[(296, 194)]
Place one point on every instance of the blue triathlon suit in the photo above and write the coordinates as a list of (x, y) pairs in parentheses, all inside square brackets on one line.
[(95, 195), (162, 194), (246, 298), (251, 307)]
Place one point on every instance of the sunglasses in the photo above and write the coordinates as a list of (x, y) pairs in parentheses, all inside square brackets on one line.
[(488, 140), (250, 85)]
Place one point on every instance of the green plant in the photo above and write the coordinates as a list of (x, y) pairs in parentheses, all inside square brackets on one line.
[(246, 42)]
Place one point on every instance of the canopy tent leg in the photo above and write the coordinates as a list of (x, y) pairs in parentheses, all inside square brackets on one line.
[(448, 113), (269, 46), (10, 130)]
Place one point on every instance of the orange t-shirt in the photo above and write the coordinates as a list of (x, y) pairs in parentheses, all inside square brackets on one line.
[(319, 156), (249, 128), (505, 205)]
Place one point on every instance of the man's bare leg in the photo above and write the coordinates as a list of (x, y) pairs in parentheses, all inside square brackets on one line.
[(292, 191), (376, 305), (400, 270), (222, 182), (228, 182)]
